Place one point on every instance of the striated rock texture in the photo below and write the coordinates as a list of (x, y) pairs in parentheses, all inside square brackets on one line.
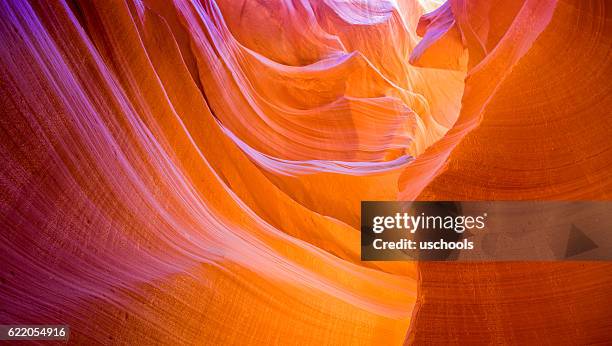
[(534, 125), (178, 172)]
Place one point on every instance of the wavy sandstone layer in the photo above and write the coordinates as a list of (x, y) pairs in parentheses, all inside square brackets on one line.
[(541, 132), (191, 171)]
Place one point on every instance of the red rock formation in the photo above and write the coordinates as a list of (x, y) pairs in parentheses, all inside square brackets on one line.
[(541, 133), (191, 171)]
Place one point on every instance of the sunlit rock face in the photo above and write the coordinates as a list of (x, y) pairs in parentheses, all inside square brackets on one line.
[(191, 171)]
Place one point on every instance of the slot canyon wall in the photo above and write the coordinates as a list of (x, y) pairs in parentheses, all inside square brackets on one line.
[(192, 171)]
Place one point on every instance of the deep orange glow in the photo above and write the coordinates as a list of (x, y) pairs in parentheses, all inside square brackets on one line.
[(191, 171)]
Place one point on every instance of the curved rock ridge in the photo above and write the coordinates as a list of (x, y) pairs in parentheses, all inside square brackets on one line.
[(159, 160), (179, 172), (533, 125)]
